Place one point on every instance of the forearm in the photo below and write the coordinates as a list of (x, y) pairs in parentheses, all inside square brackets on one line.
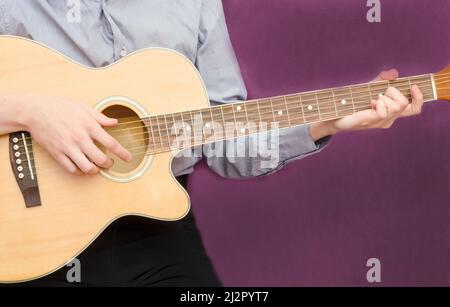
[(320, 130), (12, 113)]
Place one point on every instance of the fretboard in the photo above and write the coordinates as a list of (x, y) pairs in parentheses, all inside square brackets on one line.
[(187, 129)]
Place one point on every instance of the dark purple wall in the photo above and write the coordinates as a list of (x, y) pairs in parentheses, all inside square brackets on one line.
[(383, 194)]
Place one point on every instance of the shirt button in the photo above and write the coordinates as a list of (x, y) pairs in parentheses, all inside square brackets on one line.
[(123, 52)]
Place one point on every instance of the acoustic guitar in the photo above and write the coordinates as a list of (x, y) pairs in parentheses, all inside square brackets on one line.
[(48, 217)]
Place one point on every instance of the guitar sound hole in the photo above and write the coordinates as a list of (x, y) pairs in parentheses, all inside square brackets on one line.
[(132, 133)]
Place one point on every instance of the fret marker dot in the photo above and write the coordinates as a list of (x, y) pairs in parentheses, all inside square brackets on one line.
[(343, 101), (243, 130), (207, 125), (188, 128), (310, 107), (238, 108), (380, 95), (280, 112)]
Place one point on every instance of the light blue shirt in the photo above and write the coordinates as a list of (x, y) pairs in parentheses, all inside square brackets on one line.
[(99, 32)]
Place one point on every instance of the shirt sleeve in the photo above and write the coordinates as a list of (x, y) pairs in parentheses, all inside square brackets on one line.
[(219, 68), (4, 10)]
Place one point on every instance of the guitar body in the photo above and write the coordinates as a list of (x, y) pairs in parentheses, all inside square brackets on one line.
[(73, 211)]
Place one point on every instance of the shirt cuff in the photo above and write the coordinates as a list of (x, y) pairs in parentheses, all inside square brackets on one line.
[(297, 141)]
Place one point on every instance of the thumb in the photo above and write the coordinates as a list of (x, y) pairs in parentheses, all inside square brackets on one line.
[(390, 74)]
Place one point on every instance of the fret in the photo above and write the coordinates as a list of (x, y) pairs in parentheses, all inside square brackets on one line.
[(259, 111), (224, 123), (378, 88), (343, 105), (239, 112), (362, 97), (230, 121), (327, 105), (168, 132), (240, 119), (253, 114), (287, 110), (425, 84), (187, 128), (218, 122), (433, 89), (174, 130), (309, 105), (280, 112), (301, 107), (212, 121), (318, 107), (180, 130), (266, 111), (208, 125), (370, 92), (273, 113), (148, 124), (294, 110), (334, 102), (161, 133), (244, 105), (353, 101), (197, 126)]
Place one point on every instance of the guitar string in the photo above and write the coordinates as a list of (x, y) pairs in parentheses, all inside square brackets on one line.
[(360, 108), (353, 104), (286, 118), (346, 88), (321, 103), (376, 83), (45, 169), (306, 119)]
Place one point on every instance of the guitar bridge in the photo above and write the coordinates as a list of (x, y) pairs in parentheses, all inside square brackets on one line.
[(23, 167)]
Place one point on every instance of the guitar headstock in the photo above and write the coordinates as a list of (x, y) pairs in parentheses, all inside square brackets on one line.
[(442, 83)]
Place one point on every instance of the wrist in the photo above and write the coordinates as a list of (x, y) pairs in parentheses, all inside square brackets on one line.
[(20, 113), (320, 130)]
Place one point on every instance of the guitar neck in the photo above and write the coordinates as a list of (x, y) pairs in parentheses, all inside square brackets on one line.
[(197, 127)]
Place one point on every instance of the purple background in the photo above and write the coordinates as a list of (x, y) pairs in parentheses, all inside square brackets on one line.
[(383, 194)]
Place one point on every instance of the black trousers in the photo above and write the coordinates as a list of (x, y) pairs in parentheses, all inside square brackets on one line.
[(136, 251)]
